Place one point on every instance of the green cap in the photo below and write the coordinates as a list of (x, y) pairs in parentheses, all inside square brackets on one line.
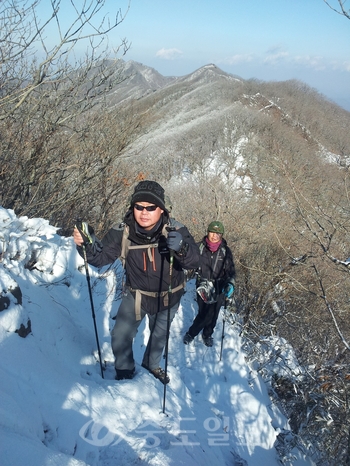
[(216, 227)]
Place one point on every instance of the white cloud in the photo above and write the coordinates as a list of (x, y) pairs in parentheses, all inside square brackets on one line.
[(168, 54), (315, 62), (276, 58), (272, 59), (275, 55), (280, 56)]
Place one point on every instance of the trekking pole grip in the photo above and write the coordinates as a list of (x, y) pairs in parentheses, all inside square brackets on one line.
[(84, 231)]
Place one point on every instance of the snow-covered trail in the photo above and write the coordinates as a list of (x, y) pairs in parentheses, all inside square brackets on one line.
[(56, 409)]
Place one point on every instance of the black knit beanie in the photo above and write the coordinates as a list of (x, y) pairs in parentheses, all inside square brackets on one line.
[(149, 191)]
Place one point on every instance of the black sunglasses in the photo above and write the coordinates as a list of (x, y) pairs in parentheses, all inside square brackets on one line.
[(149, 208)]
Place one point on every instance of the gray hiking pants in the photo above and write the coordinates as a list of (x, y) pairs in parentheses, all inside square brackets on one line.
[(125, 330)]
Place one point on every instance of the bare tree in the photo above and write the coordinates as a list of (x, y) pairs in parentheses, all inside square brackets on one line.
[(341, 9), (293, 277), (30, 60), (56, 152)]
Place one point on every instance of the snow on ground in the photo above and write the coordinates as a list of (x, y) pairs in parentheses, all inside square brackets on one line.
[(56, 409)]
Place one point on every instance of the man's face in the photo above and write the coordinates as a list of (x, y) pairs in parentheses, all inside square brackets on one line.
[(147, 219)]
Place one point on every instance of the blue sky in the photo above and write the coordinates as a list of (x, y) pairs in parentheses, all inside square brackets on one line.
[(270, 40)]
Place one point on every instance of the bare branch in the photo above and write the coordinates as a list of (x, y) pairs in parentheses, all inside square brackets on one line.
[(22, 31), (342, 10), (330, 310)]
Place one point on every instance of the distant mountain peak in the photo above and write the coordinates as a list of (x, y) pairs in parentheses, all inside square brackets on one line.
[(210, 72)]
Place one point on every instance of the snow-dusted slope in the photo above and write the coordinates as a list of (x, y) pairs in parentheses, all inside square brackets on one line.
[(56, 409)]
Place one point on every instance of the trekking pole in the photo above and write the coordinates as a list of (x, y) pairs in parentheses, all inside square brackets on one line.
[(223, 329), (85, 235), (171, 261)]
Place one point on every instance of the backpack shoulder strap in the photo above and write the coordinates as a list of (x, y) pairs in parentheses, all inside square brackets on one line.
[(125, 245), (222, 251)]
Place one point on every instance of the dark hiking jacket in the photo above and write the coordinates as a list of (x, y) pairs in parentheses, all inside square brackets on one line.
[(147, 269), (217, 267)]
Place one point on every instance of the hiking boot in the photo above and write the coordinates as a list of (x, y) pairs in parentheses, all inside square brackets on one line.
[(158, 374), (187, 338), (122, 374), (208, 341)]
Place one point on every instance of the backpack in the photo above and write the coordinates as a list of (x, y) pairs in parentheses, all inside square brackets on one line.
[(207, 287), (126, 246), (194, 273)]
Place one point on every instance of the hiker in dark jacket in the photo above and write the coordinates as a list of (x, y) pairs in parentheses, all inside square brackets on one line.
[(147, 267), (215, 283)]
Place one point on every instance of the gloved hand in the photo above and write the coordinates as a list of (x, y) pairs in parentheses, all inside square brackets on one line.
[(87, 234), (228, 290), (86, 231), (174, 241)]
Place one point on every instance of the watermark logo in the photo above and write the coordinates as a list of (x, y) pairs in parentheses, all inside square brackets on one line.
[(98, 435), (217, 430)]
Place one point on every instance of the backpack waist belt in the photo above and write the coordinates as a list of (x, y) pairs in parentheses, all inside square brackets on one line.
[(153, 294)]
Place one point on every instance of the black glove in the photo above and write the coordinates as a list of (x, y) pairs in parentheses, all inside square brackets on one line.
[(174, 241)]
